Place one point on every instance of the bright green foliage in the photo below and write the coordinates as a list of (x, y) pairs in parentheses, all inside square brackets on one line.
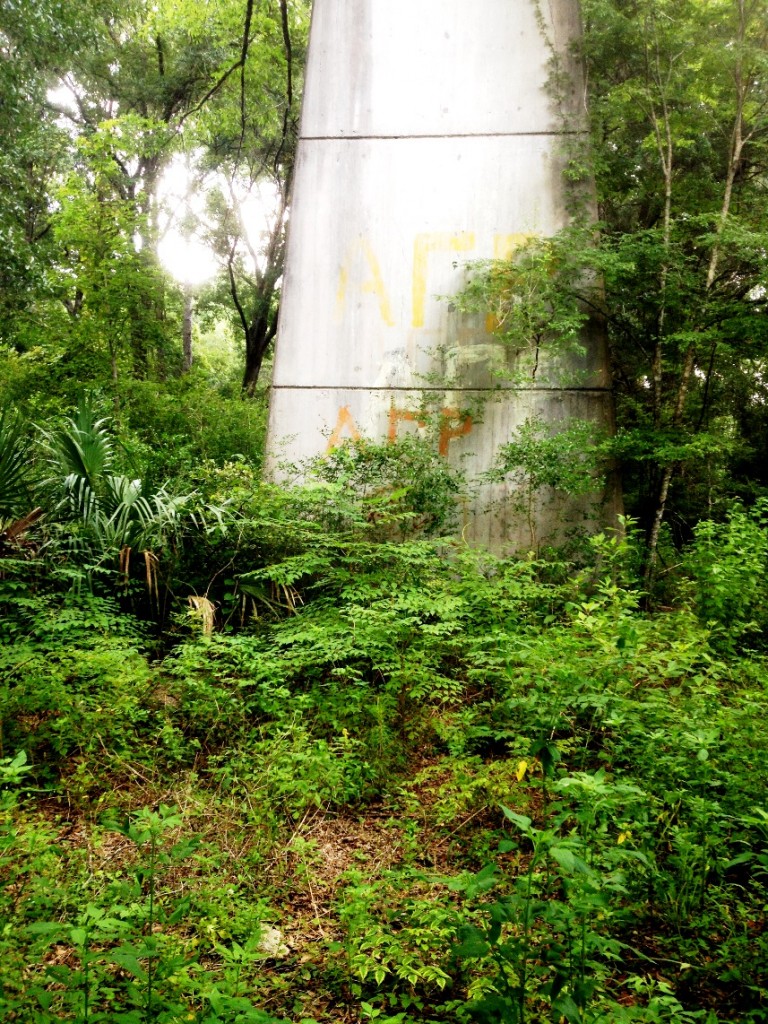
[(81, 454), (403, 483), (99, 98), (419, 687), (728, 563), (543, 461), (565, 460), (534, 300), (34, 151), (680, 130), (674, 270), (112, 516)]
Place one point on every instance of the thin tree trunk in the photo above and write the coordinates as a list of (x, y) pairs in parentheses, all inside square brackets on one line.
[(186, 331), (662, 130), (665, 147)]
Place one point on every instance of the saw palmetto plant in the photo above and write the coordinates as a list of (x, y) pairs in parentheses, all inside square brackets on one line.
[(111, 516)]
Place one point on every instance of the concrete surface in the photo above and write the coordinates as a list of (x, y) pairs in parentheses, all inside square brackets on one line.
[(429, 139)]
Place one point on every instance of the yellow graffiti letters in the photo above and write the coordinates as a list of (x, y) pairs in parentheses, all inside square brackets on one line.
[(345, 429), (362, 257), (423, 246)]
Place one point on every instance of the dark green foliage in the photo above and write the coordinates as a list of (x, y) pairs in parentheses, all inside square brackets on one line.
[(673, 270), (411, 483), (728, 563), (172, 428), (14, 465)]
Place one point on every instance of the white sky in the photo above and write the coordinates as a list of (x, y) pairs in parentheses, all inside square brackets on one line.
[(184, 255), (187, 256)]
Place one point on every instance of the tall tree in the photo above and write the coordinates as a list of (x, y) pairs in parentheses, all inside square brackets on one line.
[(680, 115), (35, 44), (252, 144), (132, 92)]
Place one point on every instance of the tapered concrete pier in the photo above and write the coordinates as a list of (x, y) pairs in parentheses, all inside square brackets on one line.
[(429, 138)]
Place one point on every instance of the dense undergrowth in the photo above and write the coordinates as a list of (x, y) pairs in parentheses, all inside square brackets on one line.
[(306, 763)]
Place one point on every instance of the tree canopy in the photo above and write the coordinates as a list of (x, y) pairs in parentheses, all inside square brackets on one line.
[(99, 100)]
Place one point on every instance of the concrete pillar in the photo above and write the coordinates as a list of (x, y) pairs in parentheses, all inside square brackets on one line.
[(429, 138)]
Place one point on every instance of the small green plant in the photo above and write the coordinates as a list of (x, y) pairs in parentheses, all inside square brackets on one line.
[(543, 461), (87, 985), (728, 563), (405, 487), (532, 299), (546, 938), (145, 959), (124, 939), (401, 940), (14, 465), (108, 525)]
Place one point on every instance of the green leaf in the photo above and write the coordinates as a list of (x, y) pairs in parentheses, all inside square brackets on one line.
[(742, 858), (44, 928), (483, 881), (129, 962), (472, 942), (565, 1005), (564, 857), (522, 822), (569, 861)]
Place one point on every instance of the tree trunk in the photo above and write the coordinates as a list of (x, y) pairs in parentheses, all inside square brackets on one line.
[(186, 331), (258, 336)]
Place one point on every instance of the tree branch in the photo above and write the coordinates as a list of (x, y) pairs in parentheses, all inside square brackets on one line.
[(288, 87), (243, 59), (234, 294), (211, 92)]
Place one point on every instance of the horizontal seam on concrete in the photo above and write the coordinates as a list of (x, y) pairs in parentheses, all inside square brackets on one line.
[(445, 387), (458, 135)]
